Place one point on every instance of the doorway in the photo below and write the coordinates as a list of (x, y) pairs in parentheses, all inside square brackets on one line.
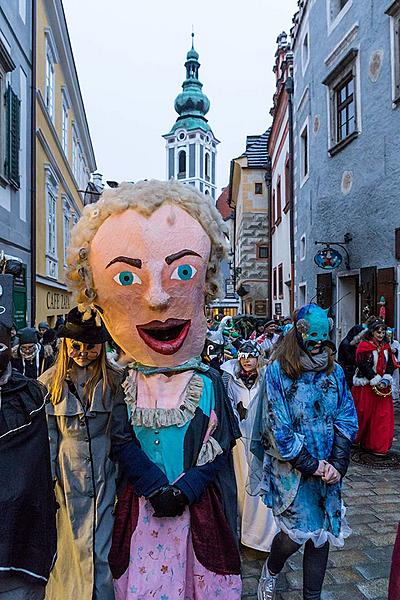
[(348, 305)]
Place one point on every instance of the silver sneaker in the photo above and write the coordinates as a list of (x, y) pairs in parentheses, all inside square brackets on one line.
[(266, 585)]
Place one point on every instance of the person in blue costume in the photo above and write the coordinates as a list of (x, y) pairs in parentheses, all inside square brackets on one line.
[(303, 433)]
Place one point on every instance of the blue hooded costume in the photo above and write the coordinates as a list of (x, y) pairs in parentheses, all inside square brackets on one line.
[(299, 422)]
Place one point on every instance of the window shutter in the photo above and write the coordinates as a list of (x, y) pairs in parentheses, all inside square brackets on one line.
[(13, 105), (324, 289)]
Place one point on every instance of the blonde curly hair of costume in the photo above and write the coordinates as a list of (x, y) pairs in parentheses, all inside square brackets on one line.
[(145, 197)]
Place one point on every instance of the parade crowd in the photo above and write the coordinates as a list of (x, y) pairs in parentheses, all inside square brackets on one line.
[(141, 445)]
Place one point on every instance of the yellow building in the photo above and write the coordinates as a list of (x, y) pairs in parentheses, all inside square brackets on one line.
[(249, 236), (64, 158)]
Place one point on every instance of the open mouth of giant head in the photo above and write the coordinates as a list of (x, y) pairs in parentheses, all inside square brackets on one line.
[(165, 337)]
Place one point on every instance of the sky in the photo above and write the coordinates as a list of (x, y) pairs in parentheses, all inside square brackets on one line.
[(130, 57)]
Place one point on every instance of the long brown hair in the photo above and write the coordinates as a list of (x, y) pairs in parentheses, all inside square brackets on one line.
[(102, 371), (288, 353)]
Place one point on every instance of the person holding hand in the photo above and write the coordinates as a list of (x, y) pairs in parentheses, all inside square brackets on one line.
[(305, 425)]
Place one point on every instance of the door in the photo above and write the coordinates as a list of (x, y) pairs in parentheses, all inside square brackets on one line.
[(386, 288), (347, 305)]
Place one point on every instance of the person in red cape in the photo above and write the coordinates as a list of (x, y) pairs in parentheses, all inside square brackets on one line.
[(372, 390)]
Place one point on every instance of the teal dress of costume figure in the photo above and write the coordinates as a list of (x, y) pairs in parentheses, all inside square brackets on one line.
[(296, 413)]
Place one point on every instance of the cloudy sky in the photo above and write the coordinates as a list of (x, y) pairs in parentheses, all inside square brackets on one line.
[(130, 56)]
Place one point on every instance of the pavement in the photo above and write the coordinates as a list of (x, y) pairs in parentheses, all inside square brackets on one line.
[(361, 569)]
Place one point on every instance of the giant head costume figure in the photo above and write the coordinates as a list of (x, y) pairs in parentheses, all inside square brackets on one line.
[(146, 257)]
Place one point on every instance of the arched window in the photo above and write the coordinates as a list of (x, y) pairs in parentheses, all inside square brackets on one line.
[(207, 166), (182, 164), (207, 193)]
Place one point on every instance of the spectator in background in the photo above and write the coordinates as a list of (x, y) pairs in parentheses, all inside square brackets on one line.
[(30, 357), (395, 346), (14, 339), (269, 337), (42, 328), (347, 352), (259, 330)]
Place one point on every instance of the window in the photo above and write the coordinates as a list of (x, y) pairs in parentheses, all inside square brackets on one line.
[(182, 164), (304, 165), (258, 188), (342, 88), (302, 294), (394, 13), (262, 251), (49, 84), (303, 247), (305, 52), (275, 283), (288, 186), (278, 202), (273, 209), (65, 106), (9, 121), (280, 280), (66, 227), (75, 154), (51, 224), (335, 10), (207, 166)]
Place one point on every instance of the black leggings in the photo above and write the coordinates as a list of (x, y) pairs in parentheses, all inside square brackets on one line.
[(314, 563)]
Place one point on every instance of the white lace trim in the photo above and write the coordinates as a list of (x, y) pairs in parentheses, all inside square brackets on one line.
[(209, 451), (320, 536), (162, 417)]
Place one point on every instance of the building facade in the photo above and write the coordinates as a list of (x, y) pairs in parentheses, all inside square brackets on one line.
[(347, 173), (280, 211), (191, 146), (16, 147), (64, 158), (249, 187)]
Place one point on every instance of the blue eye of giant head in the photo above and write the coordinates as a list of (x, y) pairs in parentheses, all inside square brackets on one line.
[(184, 273), (126, 278)]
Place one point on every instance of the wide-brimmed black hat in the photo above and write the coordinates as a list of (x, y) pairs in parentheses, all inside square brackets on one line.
[(86, 331)]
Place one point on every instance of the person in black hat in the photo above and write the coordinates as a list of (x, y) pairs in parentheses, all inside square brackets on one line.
[(27, 521), (30, 357), (83, 416)]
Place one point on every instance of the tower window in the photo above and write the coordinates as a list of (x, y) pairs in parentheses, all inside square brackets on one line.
[(182, 164), (258, 188), (207, 166)]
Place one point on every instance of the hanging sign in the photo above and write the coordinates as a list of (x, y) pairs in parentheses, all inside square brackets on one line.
[(328, 259)]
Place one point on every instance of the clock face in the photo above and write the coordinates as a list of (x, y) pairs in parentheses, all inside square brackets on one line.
[(181, 135)]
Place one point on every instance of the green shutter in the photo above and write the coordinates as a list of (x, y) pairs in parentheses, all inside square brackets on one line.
[(13, 108)]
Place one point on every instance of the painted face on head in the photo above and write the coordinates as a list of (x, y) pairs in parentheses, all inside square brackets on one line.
[(149, 274), (379, 334), (313, 326), (82, 354)]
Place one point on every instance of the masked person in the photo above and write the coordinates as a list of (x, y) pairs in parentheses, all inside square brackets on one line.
[(307, 424), (30, 357), (372, 390), (174, 535), (83, 417), (27, 519), (243, 378)]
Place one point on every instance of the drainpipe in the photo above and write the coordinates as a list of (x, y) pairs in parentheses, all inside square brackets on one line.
[(289, 87), (33, 169)]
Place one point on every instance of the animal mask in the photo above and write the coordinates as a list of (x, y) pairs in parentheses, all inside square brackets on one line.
[(312, 325)]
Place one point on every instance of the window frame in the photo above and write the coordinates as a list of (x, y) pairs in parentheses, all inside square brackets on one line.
[(65, 108), (303, 247), (262, 247), (278, 201), (394, 13), (258, 190), (6, 66), (288, 185), (275, 283), (304, 156), (67, 212), (51, 197), (49, 83), (182, 174), (281, 293), (334, 20), (347, 68), (305, 60)]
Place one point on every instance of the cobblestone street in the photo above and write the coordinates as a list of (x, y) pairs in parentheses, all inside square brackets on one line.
[(360, 570)]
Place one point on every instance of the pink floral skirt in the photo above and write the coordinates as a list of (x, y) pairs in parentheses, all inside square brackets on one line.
[(163, 566)]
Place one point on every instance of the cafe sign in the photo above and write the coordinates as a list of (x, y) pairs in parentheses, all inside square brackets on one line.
[(58, 301)]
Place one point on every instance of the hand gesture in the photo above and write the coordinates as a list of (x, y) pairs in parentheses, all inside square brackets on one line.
[(321, 468), (331, 474)]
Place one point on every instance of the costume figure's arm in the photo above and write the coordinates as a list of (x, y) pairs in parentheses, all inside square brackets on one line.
[(280, 433), (345, 425), (144, 475)]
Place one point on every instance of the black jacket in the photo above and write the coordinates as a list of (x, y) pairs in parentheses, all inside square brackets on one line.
[(27, 502)]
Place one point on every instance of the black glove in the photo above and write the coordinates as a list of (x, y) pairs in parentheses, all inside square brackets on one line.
[(168, 501), (305, 462), (340, 455)]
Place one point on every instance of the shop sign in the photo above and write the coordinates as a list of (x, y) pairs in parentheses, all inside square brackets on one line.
[(328, 259), (58, 301)]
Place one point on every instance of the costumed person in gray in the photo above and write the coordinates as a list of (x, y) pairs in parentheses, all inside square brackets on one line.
[(27, 503), (242, 378), (82, 418)]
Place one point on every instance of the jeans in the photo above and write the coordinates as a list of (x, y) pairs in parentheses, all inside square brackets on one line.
[(314, 563)]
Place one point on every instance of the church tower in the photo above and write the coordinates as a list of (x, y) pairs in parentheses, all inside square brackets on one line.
[(191, 146)]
